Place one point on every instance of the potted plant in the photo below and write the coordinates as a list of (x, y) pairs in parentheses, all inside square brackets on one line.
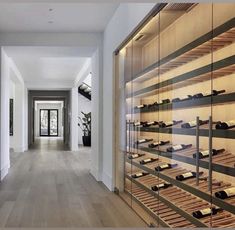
[(85, 125)]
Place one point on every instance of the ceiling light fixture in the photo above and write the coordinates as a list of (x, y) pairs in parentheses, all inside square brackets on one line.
[(50, 9), (50, 22)]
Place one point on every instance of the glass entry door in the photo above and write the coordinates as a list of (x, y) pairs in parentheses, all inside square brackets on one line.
[(49, 122)]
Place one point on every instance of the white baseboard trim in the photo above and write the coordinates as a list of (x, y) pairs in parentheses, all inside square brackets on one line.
[(95, 173), (107, 180), (4, 172), (19, 149)]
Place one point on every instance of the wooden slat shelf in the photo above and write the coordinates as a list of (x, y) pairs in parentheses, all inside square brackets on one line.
[(222, 36), (188, 185), (156, 208), (203, 131), (170, 196), (220, 68), (182, 156), (167, 201), (204, 101)]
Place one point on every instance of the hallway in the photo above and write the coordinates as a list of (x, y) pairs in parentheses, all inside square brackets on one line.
[(48, 187)]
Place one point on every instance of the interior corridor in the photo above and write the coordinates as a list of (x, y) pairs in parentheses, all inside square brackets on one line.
[(51, 187)]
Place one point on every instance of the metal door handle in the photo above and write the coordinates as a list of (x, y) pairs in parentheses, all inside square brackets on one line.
[(210, 155), (197, 151)]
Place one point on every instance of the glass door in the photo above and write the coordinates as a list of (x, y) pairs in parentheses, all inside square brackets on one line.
[(48, 122), (222, 158)]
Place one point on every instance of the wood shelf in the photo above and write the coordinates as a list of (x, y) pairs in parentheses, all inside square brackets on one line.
[(168, 202), (154, 207), (220, 68), (222, 36), (190, 160), (219, 133), (204, 101), (187, 187)]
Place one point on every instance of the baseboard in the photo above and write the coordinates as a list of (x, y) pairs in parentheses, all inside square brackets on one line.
[(95, 173), (19, 149), (4, 172), (108, 182)]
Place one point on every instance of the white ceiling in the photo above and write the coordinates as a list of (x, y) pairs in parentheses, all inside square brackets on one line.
[(53, 67), (55, 17)]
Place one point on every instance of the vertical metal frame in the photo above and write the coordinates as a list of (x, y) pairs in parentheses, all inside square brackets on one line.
[(49, 125)]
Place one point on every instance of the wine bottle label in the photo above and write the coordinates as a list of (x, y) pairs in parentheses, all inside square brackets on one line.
[(177, 147), (186, 175), (140, 106), (160, 185), (141, 141), (169, 123), (138, 174), (137, 123), (205, 211), (205, 153), (164, 166), (230, 123), (135, 155), (192, 123), (230, 191), (150, 123), (147, 160), (156, 143)]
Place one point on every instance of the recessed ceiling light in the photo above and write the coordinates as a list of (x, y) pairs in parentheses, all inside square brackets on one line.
[(50, 9), (50, 22)]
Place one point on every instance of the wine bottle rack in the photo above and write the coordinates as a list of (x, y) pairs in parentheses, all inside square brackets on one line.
[(204, 131), (222, 36), (189, 187), (166, 216), (175, 198), (220, 68), (199, 63), (219, 99), (183, 156)]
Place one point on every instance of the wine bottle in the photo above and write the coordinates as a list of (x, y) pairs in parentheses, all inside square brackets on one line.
[(169, 123), (187, 175), (176, 148), (147, 124), (153, 104), (140, 123), (148, 160), (135, 155), (225, 125), (205, 153), (141, 106), (208, 94), (161, 186), (192, 124), (142, 141), (226, 193), (166, 101), (206, 212), (138, 175), (178, 99), (165, 166), (156, 144)]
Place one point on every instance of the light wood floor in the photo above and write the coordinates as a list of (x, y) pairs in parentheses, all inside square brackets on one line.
[(50, 187)]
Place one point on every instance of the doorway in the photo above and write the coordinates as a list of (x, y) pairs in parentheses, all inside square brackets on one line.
[(49, 122)]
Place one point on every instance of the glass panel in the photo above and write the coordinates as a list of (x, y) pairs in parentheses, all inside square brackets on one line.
[(182, 92), (223, 154), (53, 122), (44, 129)]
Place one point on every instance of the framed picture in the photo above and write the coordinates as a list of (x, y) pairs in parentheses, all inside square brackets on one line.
[(11, 116)]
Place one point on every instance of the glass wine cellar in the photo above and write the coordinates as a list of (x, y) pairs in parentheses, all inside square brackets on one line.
[(175, 116)]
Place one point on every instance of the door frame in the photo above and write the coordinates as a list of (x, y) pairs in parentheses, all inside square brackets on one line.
[(49, 118)]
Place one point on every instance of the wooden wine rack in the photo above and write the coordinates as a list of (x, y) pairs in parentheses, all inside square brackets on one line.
[(168, 75)]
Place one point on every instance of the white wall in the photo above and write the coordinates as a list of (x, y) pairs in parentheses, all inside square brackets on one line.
[(9, 73), (84, 105), (39, 106), (125, 19)]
